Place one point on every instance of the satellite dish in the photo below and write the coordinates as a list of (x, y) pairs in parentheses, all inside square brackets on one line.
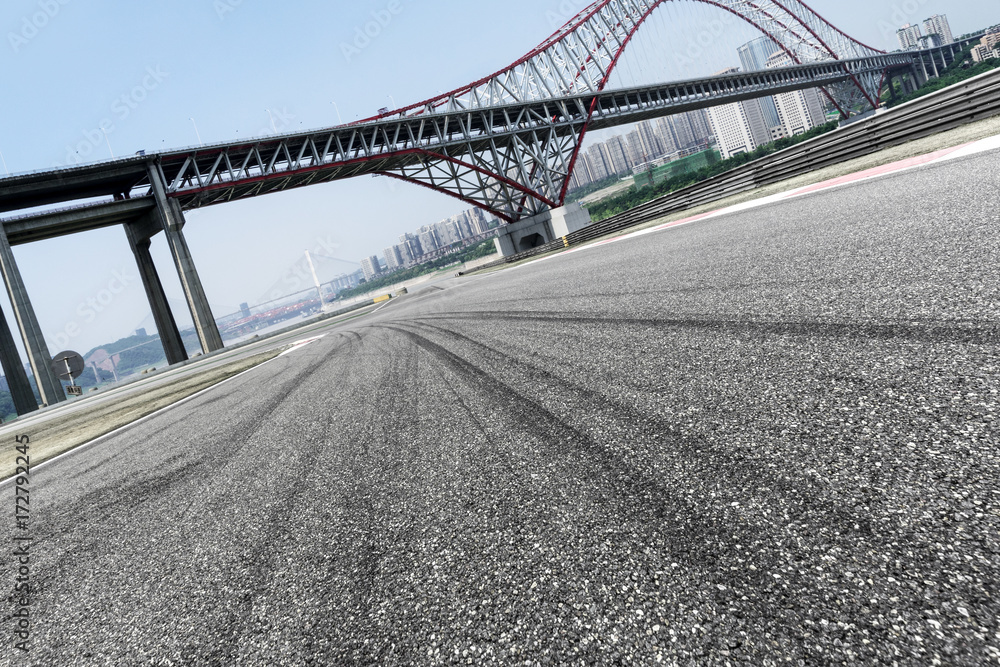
[(68, 365)]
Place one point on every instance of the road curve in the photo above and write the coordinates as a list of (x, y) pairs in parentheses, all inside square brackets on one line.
[(764, 439)]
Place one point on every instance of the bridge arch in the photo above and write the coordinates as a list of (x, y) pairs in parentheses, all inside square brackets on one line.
[(580, 57)]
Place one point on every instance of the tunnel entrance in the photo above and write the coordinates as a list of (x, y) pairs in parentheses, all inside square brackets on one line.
[(530, 241)]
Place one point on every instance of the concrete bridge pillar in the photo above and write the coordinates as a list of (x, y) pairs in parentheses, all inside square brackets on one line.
[(166, 326), (39, 357), (172, 218), (13, 370), (543, 228)]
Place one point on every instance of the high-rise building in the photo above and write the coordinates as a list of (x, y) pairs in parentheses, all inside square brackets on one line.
[(938, 25), (666, 136), (393, 259), (608, 162), (738, 127), (412, 245), (403, 252), (371, 267), (448, 231), (466, 220), (634, 150), (689, 129), (981, 53), (619, 158), (755, 55), (701, 129), (650, 143), (909, 37), (480, 225), (581, 170), (799, 110), (732, 129), (599, 170), (930, 41), (683, 130), (429, 240)]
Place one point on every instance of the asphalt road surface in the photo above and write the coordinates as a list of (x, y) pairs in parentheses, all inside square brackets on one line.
[(770, 438)]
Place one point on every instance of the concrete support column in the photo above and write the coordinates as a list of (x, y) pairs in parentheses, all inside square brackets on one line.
[(538, 230), (934, 66), (39, 357), (173, 222), (13, 370), (170, 337)]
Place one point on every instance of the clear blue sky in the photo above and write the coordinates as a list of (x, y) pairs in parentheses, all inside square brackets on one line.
[(222, 63)]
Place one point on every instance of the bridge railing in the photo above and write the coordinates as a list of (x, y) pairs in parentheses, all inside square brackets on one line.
[(966, 102)]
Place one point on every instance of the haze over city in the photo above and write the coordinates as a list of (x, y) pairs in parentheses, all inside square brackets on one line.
[(151, 69)]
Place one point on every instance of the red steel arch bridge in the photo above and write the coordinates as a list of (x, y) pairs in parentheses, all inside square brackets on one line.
[(506, 143)]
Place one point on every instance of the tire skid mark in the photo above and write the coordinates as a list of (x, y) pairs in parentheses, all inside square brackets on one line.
[(975, 333), (738, 465), (641, 495)]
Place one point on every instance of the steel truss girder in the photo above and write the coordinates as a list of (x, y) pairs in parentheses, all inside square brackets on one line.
[(513, 160), (581, 55)]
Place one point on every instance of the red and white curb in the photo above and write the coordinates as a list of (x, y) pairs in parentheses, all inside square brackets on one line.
[(944, 155)]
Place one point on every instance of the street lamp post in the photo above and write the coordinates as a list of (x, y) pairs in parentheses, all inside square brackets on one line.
[(273, 126), (4, 160), (339, 119)]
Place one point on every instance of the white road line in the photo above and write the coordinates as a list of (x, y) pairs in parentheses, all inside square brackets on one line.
[(118, 430), (381, 307), (299, 344), (981, 146)]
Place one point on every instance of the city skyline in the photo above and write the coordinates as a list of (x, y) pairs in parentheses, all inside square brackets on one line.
[(182, 85)]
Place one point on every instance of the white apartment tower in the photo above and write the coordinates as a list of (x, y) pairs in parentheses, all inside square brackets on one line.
[(738, 127), (909, 37), (938, 25), (371, 267), (799, 110)]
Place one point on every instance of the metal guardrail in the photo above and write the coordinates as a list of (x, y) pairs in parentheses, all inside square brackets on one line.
[(966, 102)]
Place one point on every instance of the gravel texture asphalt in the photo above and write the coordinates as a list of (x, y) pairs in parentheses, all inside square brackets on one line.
[(766, 439)]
